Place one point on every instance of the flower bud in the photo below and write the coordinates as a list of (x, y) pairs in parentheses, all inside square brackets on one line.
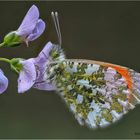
[(12, 40)]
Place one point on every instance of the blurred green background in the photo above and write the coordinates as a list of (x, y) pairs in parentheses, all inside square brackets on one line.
[(105, 31)]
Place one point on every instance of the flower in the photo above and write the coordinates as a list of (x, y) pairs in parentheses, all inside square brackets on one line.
[(27, 75), (3, 82), (32, 73), (41, 64), (30, 29)]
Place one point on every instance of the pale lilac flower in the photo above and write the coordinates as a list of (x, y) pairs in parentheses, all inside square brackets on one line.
[(41, 64), (30, 29), (32, 74), (3, 82)]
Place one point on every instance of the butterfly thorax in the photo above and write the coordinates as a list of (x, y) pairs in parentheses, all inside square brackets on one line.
[(56, 57)]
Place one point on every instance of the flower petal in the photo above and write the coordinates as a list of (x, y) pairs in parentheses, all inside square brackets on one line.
[(44, 86), (44, 54), (3, 82), (39, 29), (27, 75), (29, 22), (41, 63)]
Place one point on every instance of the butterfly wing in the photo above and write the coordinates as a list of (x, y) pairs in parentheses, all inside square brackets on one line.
[(97, 93)]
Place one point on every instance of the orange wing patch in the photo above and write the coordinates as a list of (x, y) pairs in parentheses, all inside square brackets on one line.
[(124, 72)]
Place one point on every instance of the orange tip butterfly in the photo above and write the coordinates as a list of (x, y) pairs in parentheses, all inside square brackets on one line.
[(97, 93)]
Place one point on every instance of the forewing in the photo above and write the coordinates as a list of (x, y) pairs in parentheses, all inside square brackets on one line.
[(98, 95)]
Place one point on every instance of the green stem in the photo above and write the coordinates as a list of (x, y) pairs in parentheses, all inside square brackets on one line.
[(2, 44), (5, 60), (14, 69), (9, 62)]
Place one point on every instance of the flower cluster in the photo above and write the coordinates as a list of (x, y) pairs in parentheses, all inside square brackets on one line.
[(31, 71)]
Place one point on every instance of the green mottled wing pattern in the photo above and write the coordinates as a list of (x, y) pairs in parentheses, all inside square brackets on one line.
[(97, 95)]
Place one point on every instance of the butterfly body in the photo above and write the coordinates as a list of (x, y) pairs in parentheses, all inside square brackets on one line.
[(98, 93)]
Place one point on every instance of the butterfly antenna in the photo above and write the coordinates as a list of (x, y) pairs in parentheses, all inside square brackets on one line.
[(57, 26)]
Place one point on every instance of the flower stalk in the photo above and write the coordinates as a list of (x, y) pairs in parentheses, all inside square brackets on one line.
[(5, 60), (2, 44), (14, 63)]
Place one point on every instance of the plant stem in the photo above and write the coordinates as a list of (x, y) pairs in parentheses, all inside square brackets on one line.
[(5, 60), (9, 62), (2, 44)]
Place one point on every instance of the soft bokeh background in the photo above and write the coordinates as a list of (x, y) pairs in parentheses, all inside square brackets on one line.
[(105, 31)]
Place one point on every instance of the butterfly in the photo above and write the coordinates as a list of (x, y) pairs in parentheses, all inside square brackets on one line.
[(97, 93)]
